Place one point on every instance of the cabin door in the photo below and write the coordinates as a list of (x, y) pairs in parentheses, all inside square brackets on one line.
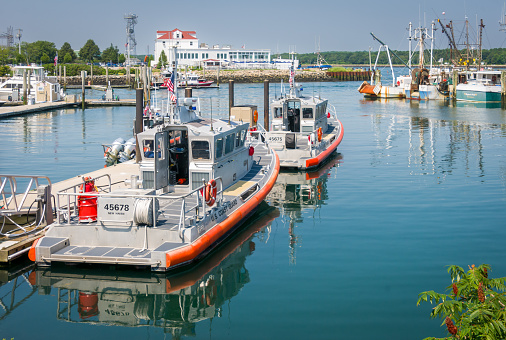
[(179, 166), (293, 116), (161, 160)]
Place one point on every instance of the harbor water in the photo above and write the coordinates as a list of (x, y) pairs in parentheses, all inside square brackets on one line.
[(338, 253)]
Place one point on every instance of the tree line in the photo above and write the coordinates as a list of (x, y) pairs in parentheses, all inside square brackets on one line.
[(495, 56)]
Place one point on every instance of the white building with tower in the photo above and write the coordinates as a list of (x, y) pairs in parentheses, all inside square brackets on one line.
[(192, 53)]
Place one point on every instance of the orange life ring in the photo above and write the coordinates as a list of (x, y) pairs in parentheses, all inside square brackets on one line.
[(320, 134), (494, 78), (255, 116), (210, 192)]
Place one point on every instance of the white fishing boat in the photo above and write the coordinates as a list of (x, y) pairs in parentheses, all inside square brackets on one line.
[(39, 85), (303, 131), (481, 86), (197, 179)]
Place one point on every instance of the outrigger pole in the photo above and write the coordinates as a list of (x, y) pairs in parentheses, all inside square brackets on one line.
[(388, 49)]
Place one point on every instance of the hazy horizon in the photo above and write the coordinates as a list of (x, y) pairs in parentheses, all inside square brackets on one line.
[(281, 26)]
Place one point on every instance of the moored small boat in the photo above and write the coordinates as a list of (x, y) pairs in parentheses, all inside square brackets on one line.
[(303, 130)]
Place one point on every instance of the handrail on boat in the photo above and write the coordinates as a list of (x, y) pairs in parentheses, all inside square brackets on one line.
[(65, 212)]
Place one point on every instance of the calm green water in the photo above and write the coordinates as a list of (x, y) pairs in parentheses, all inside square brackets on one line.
[(416, 186)]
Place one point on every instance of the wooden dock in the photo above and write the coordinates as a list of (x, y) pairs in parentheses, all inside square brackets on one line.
[(17, 110), (12, 248)]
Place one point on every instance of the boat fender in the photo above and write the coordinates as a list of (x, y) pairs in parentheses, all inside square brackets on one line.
[(210, 192), (251, 150), (31, 252), (328, 114), (320, 134), (255, 116)]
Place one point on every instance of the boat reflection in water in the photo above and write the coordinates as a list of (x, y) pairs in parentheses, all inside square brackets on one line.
[(15, 286), (297, 191), (173, 302)]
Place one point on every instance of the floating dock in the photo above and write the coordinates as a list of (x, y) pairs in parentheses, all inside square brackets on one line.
[(18, 110), (14, 247)]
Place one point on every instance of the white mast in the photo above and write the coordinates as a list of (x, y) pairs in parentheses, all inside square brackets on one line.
[(410, 39)]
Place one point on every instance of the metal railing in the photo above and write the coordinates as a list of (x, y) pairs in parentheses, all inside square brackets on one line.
[(14, 200), (68, 209), (15, 203)]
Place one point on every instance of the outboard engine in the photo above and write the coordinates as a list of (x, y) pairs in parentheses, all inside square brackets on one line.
[(128, 151), (112, 154)]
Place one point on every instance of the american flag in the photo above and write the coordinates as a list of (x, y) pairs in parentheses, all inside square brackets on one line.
[(56, 59), (170, 86), (170, 82), (292, 75)]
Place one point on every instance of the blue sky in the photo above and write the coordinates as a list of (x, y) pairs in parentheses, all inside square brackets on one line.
[(276, 25)]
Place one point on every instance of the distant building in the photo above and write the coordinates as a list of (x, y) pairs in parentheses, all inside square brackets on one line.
[(191, 53)]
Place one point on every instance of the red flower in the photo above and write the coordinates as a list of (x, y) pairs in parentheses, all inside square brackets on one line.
[(451, 327), (481, 296), (455, 289)]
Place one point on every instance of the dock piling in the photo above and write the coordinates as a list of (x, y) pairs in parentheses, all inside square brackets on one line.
[(24, 87), (83, 99), (266, 105), (230, 98)]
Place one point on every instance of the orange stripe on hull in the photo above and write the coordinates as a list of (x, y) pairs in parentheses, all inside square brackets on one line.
[(191, 251), (312, 162), (189, 279)]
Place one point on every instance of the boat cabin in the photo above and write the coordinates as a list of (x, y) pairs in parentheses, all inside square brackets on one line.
[(299, 114), (182, 158)]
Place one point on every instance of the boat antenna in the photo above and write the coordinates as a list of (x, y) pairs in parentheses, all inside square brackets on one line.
[(211, 99)]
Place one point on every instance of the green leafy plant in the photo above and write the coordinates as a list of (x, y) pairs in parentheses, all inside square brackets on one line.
[(474, 307)]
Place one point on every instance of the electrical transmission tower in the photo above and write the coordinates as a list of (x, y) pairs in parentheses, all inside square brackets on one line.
[(130, 36), (8, 36)]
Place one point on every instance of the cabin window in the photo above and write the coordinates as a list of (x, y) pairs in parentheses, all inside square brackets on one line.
[(147, 147), (307, 112), (219, 148), (200, 149), (160, 148), (238, 139), (278, 112), (229, 143), (243, 137)]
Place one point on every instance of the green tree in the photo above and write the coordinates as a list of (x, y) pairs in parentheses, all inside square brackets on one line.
[(67, 59), (89, 51), (34, 51), (45, 59), (162, 60), (121, 58), (475, 307), (4, 71), (110, 54), (67, 49)]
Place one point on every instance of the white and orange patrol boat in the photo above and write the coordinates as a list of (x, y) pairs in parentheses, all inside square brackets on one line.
[(304, 130), (196, 181)]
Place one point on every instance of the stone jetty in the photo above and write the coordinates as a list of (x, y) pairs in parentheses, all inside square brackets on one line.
[(239, 76)]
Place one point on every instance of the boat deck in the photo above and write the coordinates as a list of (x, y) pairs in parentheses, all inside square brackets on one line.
[(144, 252)]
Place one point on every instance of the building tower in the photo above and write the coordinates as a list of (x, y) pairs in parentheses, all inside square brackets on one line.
[(130, 36)]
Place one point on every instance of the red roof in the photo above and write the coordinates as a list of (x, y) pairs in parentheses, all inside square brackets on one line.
[(171, 35)]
